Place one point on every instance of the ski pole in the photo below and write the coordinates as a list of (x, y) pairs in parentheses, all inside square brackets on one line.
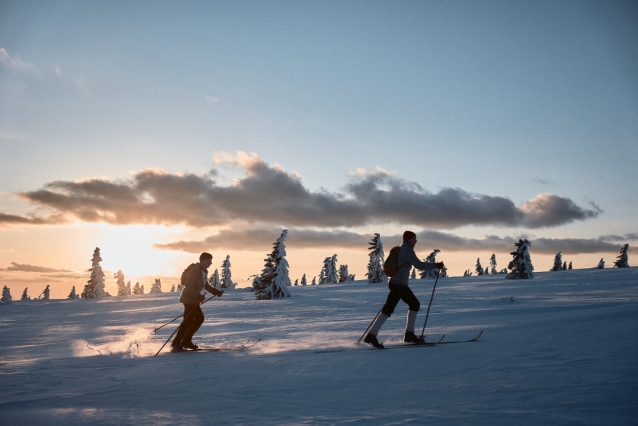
[(431, 297), (178, 317), (364, 333)]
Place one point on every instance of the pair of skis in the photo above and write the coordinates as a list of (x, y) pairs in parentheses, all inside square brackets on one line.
[(246, 345), (403, 345)]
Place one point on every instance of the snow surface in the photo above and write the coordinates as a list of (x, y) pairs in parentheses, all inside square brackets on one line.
[(560, 349)]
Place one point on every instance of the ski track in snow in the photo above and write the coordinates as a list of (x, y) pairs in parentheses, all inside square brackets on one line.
[(559, 349)]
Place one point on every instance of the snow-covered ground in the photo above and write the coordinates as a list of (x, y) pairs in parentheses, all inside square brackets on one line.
[(559, 349)]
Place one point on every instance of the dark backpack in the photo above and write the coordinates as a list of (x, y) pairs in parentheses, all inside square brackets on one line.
[(182, 280), (391, 264)]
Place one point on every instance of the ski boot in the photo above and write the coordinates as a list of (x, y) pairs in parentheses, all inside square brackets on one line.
[(410, 337), (371, 339)]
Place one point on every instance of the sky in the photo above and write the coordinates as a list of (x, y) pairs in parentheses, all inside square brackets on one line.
[(157, 130)]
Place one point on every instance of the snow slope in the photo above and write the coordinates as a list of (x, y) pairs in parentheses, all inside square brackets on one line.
[(561, 349)]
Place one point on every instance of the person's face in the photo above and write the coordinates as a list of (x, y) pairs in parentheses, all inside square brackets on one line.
[(206, 263), (412, 241)]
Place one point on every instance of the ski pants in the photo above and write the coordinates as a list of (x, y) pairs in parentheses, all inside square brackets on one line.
[(400, 292), (193, 319)]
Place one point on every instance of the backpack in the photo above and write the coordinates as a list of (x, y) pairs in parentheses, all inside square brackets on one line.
[(182, 280), (391, 264)]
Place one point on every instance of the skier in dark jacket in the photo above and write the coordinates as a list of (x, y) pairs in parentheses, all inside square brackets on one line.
[(191, 297), (399, 290)]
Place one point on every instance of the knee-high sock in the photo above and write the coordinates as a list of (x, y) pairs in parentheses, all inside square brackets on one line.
[(409, 325), (378, 323)]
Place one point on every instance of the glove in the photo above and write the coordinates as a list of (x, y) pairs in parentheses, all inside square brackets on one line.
[(201, 298), (440, 265), (217, 292)]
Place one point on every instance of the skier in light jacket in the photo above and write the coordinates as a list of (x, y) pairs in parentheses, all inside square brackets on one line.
[(191, 297), (399, 290)]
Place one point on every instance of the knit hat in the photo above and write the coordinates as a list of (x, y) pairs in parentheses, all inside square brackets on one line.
[(408, 235)]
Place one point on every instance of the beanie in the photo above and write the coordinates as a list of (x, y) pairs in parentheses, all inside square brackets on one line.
[(408, 235)]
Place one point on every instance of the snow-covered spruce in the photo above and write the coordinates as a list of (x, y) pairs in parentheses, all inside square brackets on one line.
[(6, 295), (467, 273), (564, 265), (72, 294), (569, 267), (413, 274), (601, 264), (157, 287), (430, 273), (296, 283), (622, 261), (314, 281), (493, 269), (137, 289), (328, 274), (303, 280), (274, 281), (45, 293), (443, 273), (558, 262), (226, 280), (343, 273), (521, 265), (121, 285), (214, 281), (94, 288), (375, 264), (479, 269), (25, 294)]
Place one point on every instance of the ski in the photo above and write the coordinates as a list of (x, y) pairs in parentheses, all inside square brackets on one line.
[(370, 348), (243, 346), (463, 341)]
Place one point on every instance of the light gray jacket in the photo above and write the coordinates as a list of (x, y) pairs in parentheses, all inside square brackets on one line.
[(193, 286), (407, 259)]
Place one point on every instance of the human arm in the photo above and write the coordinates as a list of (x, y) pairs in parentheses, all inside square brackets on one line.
[(212, 290)]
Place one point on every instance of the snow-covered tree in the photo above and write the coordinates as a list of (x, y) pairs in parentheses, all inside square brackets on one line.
[(6, 295), (179, 287), (503, 271), (157, 287), (443, 273), (25, 295), (413, 274), (351, 277), (569, 267), (94, 288), (558, 262), (137, 289), (296, 282), (173, 289), (128, 289), (343, 273), (493, 269), (227, 281), (521, 265), (429, 273), (214, 280), (142, 289), (324, 271), (121, 285), (73, 294), (601, 264), (479, 269), (274, 281), (303, 280), (46, 293), (375, 264), (622, 261), (314, 281), (564, 265), (467, 273)]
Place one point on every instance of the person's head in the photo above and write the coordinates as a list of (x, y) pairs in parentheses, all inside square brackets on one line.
[(409, 237), (205, 260)]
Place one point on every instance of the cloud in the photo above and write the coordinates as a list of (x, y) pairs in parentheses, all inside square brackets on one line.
[(19, 267), (271, 195), (262, 240), (10, 219), (15, 64)]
